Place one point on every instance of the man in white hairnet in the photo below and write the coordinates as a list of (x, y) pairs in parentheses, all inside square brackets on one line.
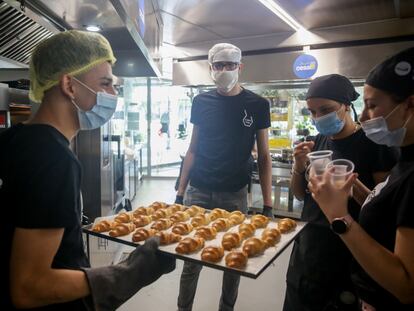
[(216, 171)]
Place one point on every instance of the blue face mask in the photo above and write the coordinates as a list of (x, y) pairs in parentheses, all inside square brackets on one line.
[(100, 113), (329, 124)]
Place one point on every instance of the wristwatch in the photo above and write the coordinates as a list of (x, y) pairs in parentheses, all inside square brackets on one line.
[(341, 225)]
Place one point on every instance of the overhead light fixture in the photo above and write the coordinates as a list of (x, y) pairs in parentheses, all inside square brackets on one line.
[(282, 14), (93, 28)]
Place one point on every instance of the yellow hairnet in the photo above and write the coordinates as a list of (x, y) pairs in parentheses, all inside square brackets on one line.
[(72, 52)]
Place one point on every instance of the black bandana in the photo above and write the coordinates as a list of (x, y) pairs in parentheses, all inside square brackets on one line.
[(395, 75), (334, 87)]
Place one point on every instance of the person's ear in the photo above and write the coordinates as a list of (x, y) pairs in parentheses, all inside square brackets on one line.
[(410, 103), (66, 86), (241, 66)]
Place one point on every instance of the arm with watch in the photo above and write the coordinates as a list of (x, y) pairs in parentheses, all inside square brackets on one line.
[(394, 271)]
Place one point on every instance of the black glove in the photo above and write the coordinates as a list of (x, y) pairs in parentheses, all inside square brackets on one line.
[(111, 286), (179, 199), (267, 211)]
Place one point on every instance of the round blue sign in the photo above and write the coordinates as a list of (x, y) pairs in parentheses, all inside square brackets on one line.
[(305, 66)]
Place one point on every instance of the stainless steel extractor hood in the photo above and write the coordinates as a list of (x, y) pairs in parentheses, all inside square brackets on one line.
[(134, 29), (135, 41), (19, 34)]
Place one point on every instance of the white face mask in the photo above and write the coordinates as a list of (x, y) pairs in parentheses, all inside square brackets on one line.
[(100, 113), (225, 80), (377, 130)]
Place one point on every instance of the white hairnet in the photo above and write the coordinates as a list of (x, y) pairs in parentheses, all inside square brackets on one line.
[(224, 52)]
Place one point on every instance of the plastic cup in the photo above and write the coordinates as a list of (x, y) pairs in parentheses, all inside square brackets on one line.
[(340, 170), (319, 160)]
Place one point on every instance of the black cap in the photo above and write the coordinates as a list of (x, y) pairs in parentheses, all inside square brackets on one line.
[(395, 75), (334, 87)]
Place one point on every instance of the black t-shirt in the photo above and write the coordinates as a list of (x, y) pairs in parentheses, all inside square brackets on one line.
[(227, 129), (40, 188), (391, 205), (367, 157), (320, 262)]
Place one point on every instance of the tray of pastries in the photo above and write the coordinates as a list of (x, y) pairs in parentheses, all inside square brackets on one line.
[(216, 238)]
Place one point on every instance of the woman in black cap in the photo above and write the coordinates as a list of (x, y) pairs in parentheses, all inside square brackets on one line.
[(382, 242), (318, 276)]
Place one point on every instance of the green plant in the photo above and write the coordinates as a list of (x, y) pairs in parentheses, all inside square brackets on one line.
[(304, 124), (270, 93)]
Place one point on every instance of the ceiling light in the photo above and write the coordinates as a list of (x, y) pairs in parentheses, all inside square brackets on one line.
[(281, 13), (93, 28)]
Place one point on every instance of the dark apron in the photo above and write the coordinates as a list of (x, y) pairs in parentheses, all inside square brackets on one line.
[(318, 276)]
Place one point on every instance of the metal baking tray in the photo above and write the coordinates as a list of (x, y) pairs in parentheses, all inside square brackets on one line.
[(255, 265)]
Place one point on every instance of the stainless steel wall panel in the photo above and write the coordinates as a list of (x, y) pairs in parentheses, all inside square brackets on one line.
[(353, 62)]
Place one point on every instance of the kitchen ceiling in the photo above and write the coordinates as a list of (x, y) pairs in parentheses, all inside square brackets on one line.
[(193, 26)]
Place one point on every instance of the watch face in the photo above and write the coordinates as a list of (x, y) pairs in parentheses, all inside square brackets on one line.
[(339, 226)]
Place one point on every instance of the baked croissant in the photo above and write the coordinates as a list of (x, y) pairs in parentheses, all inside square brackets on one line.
[(122, 229), (158, 205), (246, 230), (102, 226), (141, 234), (207, 233), (286, 224), (259, 221), (195, 210), (236, 217), (180, 216), (231, 240), (142, 220), (212, 253), (182, 228), (161, 224), (176, 207), (146, 211), (190, 245), (200, 220), (253, 247), (162, 213), (236, 260), (114, 224), (222, 224), (271, 236), (218, 213), (168, 237), (124, 217)]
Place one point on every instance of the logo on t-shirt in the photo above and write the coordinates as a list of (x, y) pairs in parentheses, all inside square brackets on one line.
[(376, 191), (247, 120)]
